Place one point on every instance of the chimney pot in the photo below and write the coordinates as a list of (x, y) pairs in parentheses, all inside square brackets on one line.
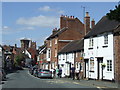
[(87, 14), (92, 23)]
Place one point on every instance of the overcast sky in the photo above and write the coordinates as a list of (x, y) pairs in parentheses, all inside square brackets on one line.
[(36, 20)]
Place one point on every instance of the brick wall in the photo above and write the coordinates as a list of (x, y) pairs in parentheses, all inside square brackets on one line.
[(117, 56)]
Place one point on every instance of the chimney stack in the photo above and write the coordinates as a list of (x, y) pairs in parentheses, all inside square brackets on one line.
[(92, 23), (87, 23), (54, 30)]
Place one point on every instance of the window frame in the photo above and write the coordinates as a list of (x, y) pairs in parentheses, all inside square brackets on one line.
[(109, 65)]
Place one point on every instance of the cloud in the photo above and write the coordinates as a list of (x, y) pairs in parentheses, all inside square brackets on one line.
[(5, 27), (45, 8), (41, 21), (61, 12), (27, 28), (48, 9)]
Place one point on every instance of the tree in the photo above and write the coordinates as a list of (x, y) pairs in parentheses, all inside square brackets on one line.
[(18, 59), (114, 14)]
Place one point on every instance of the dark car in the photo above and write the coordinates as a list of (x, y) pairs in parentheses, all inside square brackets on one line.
[(43, 73)]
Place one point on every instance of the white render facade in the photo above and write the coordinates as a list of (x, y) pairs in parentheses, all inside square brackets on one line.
[(98, 52), (65, 61)]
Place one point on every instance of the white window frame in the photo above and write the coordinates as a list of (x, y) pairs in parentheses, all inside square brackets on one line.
[(106, 39), (91, 43), (109, 65), (63, 56), (56, 41)]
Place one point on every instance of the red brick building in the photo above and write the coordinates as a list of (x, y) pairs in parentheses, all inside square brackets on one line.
[(70, 29)]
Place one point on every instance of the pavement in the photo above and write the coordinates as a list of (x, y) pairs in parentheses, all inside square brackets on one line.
[(94, 83)]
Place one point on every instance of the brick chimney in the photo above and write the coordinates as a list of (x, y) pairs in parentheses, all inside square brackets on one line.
[(54, 30), (87, 23), (92, 23), (62, 21)]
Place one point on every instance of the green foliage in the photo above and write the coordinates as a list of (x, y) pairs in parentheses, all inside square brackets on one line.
[(114, 14), (18, 59)]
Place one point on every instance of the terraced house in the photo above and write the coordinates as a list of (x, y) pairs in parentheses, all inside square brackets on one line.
[(71, 28), (101, 51)]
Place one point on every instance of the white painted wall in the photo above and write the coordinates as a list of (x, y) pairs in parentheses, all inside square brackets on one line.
[(99, 51), (62, 59)]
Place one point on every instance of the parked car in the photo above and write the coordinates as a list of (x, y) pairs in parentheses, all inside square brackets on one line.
[(43, 73)]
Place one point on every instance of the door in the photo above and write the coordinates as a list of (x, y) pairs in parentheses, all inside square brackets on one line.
[(86, 68), (99, 68)]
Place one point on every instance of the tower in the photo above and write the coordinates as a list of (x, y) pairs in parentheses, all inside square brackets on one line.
[(25, 43)]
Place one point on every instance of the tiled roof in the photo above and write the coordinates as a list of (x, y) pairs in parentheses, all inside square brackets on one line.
[(74, 46), (104, 25), (58, 32)]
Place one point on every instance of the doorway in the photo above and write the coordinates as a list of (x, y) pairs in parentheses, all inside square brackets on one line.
[(99, 68), (86, 70)]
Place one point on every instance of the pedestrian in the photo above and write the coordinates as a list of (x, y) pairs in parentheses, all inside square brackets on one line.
[(54, 73), (57, 71), (73, 72), (77, 71), (60, 73)]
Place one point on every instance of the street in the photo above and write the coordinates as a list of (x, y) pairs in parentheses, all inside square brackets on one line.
[(22, 79)]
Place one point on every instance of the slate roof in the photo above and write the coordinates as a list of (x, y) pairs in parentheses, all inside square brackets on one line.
[(104, 25), (74, 46), (58, 32)]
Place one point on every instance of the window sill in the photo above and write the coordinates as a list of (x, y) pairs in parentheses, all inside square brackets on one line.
[(90, 48), (91, 71), (105, 46)]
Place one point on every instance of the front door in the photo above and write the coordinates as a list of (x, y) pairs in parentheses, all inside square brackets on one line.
[(99, 68), (86, 68)]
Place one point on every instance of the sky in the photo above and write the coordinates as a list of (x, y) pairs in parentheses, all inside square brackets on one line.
[(36, 20)]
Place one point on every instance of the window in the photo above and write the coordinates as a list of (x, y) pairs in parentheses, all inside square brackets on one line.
[(55, 41), (72, 55), (91, 43), (63, 56), (48, 53), (76, 55), (55, 52), (59, 57), (106, 39), (109, 65), (91, 64), (67, 56), (50, 43)]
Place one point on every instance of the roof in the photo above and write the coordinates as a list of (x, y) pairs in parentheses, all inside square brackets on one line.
[(74, 46), (58, 32), (104, 25)]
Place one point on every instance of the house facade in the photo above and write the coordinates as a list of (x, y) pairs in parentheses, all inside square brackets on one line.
[(71, 53), (99, 51), (70, 29)]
